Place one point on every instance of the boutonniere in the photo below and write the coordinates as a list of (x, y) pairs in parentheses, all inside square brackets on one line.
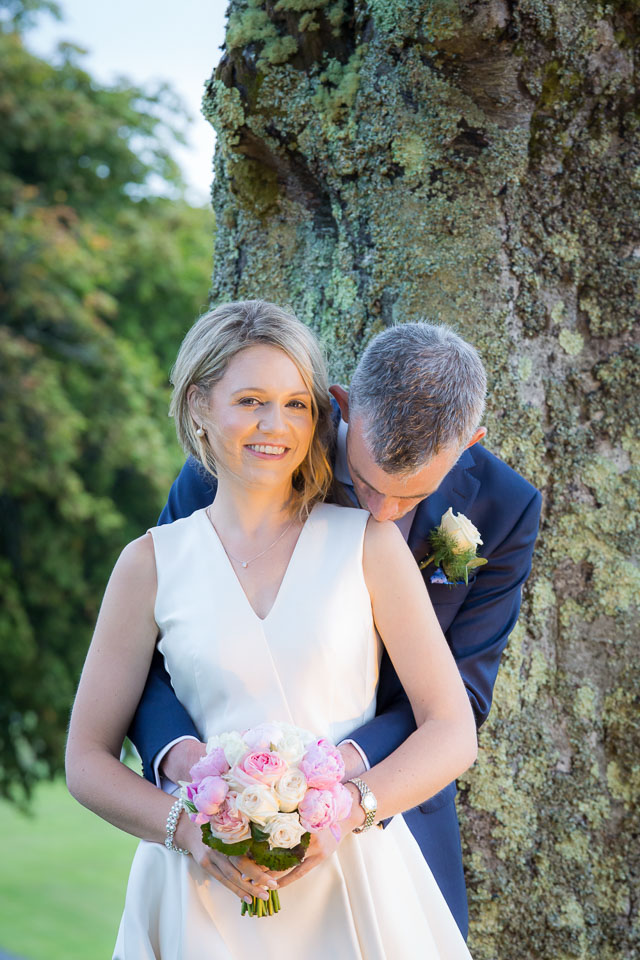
[(453, 544)]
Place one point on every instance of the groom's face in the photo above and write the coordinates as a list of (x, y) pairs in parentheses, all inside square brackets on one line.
[(388, 496)]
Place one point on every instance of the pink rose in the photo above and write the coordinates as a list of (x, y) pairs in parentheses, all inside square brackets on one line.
[(322, 765), (213, 764), (207, 798), (263, 767), (230, 824)]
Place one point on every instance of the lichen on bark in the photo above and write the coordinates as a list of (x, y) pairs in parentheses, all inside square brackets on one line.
[(478, 163)]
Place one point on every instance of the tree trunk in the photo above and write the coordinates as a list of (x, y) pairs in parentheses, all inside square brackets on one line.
[(478, 163)]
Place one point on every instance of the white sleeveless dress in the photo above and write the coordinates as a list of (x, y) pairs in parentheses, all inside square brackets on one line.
[(313, 661)]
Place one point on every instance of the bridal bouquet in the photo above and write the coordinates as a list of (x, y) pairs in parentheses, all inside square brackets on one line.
[(262, 793)]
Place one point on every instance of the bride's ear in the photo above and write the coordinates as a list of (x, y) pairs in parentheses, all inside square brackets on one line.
[(194, 399)]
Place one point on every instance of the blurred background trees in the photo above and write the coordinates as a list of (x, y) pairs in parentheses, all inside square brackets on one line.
[(100, 277)]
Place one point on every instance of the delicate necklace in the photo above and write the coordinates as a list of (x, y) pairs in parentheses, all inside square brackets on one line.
[(245, 563)]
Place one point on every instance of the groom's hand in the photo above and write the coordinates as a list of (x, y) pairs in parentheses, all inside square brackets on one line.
[(353, 762), (177, 761)]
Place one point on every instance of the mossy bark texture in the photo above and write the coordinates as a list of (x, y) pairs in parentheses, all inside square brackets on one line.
[(477, 162)]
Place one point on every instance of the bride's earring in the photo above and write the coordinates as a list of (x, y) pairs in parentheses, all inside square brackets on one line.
[(200, 432)]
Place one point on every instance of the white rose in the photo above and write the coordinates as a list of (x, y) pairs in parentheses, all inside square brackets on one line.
[(285, 830), (233, 745), (305, 736), (291, 747), (262, 736), (258, 803), (290, 789), (461, 529)]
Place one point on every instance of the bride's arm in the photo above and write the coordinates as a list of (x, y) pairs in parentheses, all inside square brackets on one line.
[(112, 680), (444, 744)]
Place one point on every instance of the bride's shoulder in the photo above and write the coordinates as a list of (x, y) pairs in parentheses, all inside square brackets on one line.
[(136, 564), (338, 514), (383, 540), (178, 528)]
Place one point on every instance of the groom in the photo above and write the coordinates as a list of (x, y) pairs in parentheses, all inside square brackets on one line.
[(407, 450)]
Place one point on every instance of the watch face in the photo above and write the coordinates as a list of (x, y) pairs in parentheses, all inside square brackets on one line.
[(369, 802)]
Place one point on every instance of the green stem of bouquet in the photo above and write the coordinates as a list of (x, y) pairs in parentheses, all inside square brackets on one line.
[(425, 563), (262, 908)]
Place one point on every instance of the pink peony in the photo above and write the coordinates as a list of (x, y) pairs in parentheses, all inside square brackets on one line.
[(262, 766), (230, 824), (206, 796), (322, 765), (213, 764), (317, 810), (322, 809), (342, 801)]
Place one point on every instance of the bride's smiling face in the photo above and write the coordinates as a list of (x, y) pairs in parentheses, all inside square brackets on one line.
[(259, 420)]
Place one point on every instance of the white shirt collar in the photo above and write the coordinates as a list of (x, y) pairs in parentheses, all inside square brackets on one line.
[(341, 468)]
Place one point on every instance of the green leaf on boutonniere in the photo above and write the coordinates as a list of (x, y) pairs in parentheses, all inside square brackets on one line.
[(449, 557)]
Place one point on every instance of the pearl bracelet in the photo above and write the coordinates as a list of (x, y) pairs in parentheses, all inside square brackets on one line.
[(172, 823)]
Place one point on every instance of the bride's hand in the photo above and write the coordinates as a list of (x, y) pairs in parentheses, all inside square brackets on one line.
[(321, 846), (240, 875), (323, 843)]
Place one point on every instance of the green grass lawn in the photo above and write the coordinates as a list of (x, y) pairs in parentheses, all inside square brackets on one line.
[(63, 875)]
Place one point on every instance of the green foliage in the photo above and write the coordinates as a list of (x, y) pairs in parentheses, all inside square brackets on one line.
[(239, 849), (18, 14), (76, 140), (99, 280), (63, 873), (257, 847), (447, 554), (277, 858)]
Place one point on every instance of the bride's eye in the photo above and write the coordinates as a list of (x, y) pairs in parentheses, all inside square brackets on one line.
[(248, 401), (297, 404)]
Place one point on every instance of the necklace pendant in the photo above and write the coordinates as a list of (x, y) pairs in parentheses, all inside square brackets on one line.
[(245, 563)]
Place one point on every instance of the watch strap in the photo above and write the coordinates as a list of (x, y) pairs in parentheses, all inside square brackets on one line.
[(370, 813)]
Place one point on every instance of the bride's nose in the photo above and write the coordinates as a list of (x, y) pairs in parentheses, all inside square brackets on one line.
[(272, 420)]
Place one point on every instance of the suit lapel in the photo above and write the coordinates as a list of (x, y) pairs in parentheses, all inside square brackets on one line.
[(459, 489)]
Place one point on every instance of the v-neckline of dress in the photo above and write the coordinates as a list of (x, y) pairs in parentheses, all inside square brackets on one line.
[(285, 577)]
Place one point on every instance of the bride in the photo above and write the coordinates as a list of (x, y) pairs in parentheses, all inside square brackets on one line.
[(270, 605)]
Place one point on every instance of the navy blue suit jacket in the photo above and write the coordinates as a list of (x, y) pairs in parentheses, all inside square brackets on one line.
[(476, 619)]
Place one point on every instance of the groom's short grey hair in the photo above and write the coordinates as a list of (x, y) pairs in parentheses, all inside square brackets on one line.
[(419, 389)]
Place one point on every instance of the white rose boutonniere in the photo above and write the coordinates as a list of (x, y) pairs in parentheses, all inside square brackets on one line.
[(454, 544)]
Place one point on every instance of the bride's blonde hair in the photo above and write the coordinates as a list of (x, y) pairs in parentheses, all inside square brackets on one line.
[(203, 357)]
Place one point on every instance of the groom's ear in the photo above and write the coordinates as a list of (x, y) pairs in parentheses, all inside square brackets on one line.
[(480, 434), (342, 397)]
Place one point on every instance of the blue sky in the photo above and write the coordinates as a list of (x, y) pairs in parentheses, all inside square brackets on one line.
[(147, 41)]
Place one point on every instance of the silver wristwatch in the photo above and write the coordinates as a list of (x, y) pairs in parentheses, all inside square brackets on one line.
[(368, 803)]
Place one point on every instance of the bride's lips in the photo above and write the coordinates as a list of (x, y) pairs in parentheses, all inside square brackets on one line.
[(260, 450)]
